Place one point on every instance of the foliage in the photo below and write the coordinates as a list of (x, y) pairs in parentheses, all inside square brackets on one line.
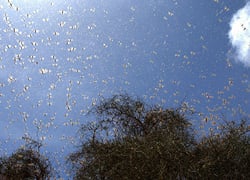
[(225, 155), (130, 140), (25, 163)]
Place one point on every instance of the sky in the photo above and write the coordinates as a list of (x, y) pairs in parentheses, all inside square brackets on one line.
[(57, 58)]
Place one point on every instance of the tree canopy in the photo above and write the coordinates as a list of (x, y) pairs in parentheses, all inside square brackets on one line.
[(131, 140), (225, 154), (26, 163), (128, 139)]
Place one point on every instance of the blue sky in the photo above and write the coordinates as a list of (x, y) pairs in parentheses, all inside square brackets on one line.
[(57, 57)]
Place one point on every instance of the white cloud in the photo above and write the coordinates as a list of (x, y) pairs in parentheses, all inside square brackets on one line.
[(239, 34)]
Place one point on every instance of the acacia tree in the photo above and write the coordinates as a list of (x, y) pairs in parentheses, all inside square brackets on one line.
[(130, 140), (26, 163)]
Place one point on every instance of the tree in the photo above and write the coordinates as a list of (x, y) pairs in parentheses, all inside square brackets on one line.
[(225, 154), (130, 140), (25, 163)]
